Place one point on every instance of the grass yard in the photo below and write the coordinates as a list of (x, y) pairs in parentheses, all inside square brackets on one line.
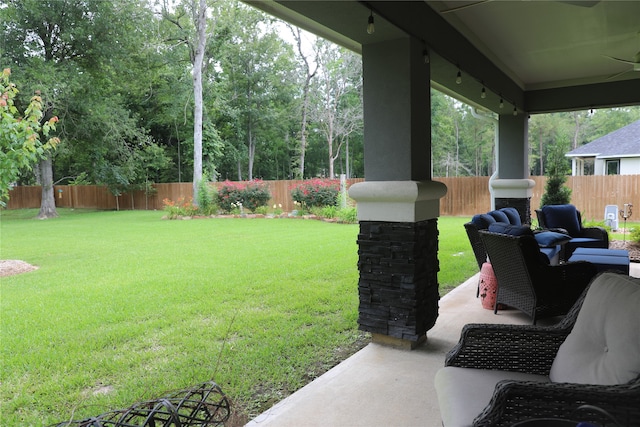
[(622, 234), (125, 307)]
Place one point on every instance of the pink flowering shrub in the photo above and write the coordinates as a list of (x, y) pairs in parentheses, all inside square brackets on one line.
[(316, 192), (250, 194)]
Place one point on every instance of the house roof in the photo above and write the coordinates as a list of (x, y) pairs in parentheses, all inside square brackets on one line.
[(624, 142)]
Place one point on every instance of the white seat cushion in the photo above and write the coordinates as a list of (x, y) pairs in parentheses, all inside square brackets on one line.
[(464, 392), (604, 346)]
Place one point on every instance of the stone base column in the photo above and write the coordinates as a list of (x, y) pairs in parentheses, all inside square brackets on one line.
[(398, 259), (398, 286), (514, 193)]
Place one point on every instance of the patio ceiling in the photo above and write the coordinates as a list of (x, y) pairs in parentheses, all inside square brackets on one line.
[(540, 56)]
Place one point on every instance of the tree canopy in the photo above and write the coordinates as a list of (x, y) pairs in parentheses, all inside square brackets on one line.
[(21, 135), (277, 103)]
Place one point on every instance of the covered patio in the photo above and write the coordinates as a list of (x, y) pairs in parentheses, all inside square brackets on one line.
[(508, 60), (385, 386)]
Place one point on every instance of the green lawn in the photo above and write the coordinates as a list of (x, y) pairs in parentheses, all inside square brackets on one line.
[(619, 235), (125, 306)]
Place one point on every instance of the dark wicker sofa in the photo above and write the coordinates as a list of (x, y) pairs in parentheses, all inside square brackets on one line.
[(508, 217), (499, 375)]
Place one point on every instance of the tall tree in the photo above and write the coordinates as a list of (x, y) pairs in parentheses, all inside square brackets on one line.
[(81, 55), (196, 42), (259, 80), (200, 22), (21, 136), (310, 68), (338, 106), (444, 133)]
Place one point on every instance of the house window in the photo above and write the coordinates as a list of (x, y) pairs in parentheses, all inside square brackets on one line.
[(589, 166), (613, 167)]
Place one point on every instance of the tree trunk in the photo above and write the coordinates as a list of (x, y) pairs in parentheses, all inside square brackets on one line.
[(541, 153), (576, 131), (305, 99), (252, 153), (48, 203), (201, 41), (303, 130), (331, 158)]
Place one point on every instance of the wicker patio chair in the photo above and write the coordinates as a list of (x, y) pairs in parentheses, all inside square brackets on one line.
[(568, 219), (527, 282), (482, 222), (521, 350)]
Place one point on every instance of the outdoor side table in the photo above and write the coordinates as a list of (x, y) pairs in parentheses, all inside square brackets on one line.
[(604, 259)]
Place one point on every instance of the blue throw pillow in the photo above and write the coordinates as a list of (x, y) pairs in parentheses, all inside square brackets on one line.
[(511, 230), (500, 216), (513, 215), (482, 221), (562, 216), (548, 239)]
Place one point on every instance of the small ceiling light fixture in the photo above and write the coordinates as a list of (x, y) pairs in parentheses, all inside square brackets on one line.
[(501, 102), (515, 111), (483, 94), (371, 28), (425, 56), (459, 77)]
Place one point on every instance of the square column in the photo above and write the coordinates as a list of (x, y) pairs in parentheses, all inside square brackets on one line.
[(513, 188), (398, 204)]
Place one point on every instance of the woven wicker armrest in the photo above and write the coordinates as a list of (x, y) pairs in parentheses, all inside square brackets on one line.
[(595, 233), (515, 401), (520, 348), (557, 230)]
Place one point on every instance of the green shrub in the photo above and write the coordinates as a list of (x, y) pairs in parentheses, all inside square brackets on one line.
[(555, 192), (249, 194), (262, 210), (329, 211), (634, 234), (314, 210), (316, 192), (206, 201), (348, 215)]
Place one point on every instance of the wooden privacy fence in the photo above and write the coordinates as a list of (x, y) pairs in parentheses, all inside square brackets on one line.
[(466, 196), (99, 197)]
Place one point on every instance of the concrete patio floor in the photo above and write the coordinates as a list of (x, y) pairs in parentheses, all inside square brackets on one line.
[(384, 386)]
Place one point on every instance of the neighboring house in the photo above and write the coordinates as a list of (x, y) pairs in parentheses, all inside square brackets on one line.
[(617, 153)]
